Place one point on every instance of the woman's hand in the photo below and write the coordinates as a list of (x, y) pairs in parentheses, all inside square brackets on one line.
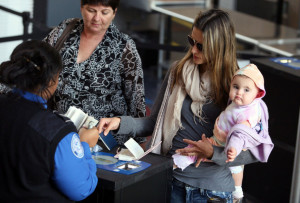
[(108, 124), (89, 136), (203, 149)]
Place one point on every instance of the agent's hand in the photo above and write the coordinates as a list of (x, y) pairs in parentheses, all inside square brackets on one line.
[(203, 149), (231, 154), (108, 124), (89, 136)]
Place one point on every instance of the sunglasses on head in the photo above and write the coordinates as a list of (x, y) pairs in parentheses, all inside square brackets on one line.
[(193, 42)]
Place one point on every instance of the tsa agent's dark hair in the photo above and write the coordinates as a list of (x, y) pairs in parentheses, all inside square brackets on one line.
[(114, 4), (32, 65)]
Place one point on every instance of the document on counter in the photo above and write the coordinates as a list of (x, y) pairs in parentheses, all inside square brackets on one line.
[(134, 151)]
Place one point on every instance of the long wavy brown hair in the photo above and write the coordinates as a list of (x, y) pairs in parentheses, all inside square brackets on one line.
[(219, 50)]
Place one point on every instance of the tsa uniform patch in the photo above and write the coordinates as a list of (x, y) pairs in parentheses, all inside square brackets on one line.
[(76, 146)]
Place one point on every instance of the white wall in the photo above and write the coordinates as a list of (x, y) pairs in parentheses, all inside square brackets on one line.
[(11, 25)]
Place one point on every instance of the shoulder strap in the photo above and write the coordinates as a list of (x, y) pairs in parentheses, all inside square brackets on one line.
[(61, 40)]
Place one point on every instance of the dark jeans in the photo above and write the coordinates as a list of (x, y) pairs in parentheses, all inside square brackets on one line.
[(183, 193)]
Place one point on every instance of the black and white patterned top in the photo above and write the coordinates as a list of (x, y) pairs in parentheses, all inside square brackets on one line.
[(109, 83)]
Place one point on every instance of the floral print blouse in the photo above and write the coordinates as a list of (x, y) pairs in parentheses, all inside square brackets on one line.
[(109, 83)]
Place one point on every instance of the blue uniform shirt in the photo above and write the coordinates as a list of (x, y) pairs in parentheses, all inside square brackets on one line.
[(75, 170)]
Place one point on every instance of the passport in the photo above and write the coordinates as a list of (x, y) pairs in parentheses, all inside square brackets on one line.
[(108, 140)]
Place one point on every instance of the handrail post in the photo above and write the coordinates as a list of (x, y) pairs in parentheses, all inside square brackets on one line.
[(295, 188), (26, 21)]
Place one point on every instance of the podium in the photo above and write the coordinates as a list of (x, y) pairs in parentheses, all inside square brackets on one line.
[(282, 85), (150, 185)]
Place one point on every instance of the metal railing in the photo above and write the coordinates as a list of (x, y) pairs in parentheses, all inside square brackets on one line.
[(26, 21)]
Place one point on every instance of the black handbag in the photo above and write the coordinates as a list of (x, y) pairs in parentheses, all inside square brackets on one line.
[(51, 103), (60, 42)]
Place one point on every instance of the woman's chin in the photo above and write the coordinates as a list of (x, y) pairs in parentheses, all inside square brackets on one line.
[(197, 60)]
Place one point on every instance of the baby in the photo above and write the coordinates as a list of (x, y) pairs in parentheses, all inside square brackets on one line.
[(246, 91)]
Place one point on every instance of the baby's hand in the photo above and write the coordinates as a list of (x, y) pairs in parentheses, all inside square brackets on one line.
[(231, 154)]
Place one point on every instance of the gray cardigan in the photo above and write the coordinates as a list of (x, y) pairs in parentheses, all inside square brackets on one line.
[(209, 175)]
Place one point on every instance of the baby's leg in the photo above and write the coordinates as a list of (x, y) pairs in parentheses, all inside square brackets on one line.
[(231, 154), (237, 174)]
